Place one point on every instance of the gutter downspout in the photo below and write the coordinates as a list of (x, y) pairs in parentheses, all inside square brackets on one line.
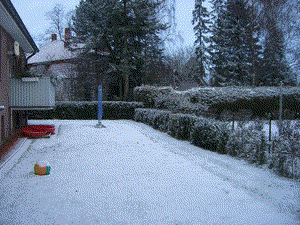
[(30, 57)]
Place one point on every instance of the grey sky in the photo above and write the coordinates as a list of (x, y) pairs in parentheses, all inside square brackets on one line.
[(32, 12)]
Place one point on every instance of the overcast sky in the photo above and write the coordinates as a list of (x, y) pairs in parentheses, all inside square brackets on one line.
[(32, 13)]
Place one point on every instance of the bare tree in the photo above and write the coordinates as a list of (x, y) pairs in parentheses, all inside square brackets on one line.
[(56, 16), (59, 19)]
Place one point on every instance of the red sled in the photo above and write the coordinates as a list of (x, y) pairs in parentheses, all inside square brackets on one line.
[(38, 130)]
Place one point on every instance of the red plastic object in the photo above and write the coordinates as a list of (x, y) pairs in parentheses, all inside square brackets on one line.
[(38, 130), (48, 128)]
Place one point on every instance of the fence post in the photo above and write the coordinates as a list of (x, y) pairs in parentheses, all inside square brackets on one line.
[(280, 110)]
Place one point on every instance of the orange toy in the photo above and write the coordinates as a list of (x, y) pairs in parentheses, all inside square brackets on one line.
[(42, 168)]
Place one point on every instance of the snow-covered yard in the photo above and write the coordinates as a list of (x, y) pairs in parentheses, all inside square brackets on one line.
[(129, 173)]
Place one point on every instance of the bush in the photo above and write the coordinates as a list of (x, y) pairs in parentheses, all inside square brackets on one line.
[(204, 134), (87, 111), (222, 136), (147, 94), (248, 143), (180, 126), (157, 119), (285, 151)]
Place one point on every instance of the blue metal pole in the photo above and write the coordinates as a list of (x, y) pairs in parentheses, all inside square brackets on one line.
[(100, 109)]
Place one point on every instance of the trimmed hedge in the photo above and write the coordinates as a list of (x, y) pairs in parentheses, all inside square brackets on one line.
[(148, 94), (180, 125), (87, 111), (212, 101), (204, 134), (158, 119), (247, 141), (208, 134)]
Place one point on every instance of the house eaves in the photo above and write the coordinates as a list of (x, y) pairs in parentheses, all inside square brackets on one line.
[(12, 23)]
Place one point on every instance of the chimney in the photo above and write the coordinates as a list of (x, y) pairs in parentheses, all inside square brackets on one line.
[(54, 37), (67, 36)]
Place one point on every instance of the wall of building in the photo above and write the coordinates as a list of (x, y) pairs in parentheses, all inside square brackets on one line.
[(5, 73), (8, 67)]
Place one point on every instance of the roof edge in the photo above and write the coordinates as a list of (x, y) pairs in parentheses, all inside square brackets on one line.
[(14, 14)]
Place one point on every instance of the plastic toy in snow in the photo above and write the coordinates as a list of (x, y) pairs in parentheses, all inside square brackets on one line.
[(42, 168), (38, 130)]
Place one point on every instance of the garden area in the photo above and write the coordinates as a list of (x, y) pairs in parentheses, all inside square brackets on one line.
[(242, 123)]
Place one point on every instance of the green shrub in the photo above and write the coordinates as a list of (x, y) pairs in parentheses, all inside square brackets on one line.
[(204, 134), (87, 111), (248, 143), (148, 94), (180, 125), (158, 119), (222, 136)]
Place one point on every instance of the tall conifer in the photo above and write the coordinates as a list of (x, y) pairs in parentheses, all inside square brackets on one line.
[(201, 22)]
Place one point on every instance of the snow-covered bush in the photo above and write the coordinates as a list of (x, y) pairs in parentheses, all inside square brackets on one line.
[(222, 136), (248, 143), (88, 110), (120, 110), (180, 125), (203, 101), (147, 94), (158, 119), (285, 151), (204, 134)]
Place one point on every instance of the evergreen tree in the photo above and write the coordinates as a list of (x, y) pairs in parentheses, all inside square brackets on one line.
[(236, 51), (201, 24), (217, 42), (275, 68), (126, 28)]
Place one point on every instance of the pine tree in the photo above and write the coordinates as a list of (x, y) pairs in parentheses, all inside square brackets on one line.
[(235, 45), (217, 42), (201, 22), (126, 28), (275, 68)]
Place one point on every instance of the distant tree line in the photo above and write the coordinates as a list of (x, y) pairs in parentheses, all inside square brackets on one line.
[(242, 42)]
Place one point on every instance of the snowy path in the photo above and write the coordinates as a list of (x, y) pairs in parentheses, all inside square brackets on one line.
[(129, 173)]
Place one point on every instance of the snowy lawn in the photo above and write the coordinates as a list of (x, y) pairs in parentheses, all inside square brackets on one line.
[(129, 173)]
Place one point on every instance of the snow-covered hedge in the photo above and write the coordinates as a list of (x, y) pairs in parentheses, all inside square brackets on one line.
[(247, 141), (148, 94), (210, 134), (87, 110), (285, 151), (158, 119), (200, 131), (213, 100), (180, 125)]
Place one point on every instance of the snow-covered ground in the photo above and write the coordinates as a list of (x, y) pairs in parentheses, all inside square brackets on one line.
[(129, 173)]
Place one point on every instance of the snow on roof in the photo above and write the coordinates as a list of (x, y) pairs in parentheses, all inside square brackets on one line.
[(54, 50)]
